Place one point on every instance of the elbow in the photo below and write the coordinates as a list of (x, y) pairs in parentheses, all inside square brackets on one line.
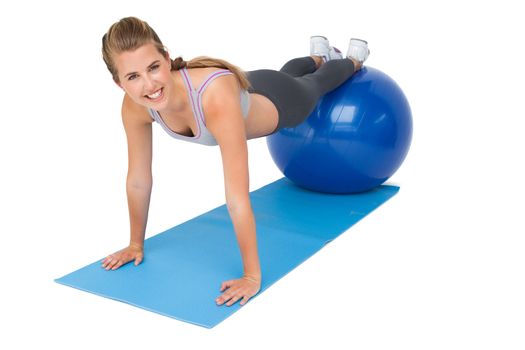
[(238, 205), (143, 182)]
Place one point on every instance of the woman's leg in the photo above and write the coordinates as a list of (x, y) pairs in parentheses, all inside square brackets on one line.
[(329, 76), (295, 97), (298, 67), (299, 100)]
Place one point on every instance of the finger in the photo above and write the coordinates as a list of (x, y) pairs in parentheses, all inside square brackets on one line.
[(106, 260), (226, 284), (112, 263), (244, 300), (221, 299), (233, 300), (118, 264), (123, 260), (138, 259), (225, 297)]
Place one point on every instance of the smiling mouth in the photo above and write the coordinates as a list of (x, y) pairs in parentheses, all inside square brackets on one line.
[(156, 95)]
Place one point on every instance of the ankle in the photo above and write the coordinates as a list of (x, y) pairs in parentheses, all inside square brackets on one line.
[(357, 65), (318, 61)]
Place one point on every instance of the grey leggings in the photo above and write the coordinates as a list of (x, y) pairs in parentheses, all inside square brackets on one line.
[(298, 86)]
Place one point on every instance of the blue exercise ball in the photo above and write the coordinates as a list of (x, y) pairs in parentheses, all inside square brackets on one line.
[(355, 139)]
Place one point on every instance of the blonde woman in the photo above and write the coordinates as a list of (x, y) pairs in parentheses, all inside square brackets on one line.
[(211, 102)]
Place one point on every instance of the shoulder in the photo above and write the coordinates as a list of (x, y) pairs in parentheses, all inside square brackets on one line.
[(222, 108), (133, 112), (222, 92)]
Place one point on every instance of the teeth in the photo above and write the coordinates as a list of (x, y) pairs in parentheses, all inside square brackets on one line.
[(155, 95)]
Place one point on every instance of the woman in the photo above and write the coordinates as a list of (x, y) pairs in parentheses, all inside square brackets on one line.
[(212, 102)]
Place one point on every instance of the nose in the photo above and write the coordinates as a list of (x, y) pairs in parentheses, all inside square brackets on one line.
[(149, 85)]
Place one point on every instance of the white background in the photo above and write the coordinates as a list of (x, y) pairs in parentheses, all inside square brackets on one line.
[(439, 266)]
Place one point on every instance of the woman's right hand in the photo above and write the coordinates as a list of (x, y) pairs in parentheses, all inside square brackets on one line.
[(124, 256)]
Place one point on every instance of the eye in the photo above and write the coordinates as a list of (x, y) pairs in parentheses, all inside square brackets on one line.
[(131, 77), (154, 67)]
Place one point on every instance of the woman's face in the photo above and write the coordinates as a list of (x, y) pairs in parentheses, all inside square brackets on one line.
[(145, 76)]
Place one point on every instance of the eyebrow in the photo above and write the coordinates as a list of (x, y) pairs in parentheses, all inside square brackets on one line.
[(157, 61)]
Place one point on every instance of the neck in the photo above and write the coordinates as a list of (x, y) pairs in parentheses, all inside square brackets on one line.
[(178, 97)]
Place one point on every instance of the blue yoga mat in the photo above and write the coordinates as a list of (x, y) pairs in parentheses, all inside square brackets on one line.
[(184, 266)]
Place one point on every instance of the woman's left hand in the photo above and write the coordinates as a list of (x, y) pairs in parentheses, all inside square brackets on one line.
[(243, 288)]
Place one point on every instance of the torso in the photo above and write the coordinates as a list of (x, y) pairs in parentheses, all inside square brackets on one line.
[(262, 116)]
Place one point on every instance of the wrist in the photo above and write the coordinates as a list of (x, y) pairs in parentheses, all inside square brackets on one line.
[(252, 267), (254, 277), (136, 245)]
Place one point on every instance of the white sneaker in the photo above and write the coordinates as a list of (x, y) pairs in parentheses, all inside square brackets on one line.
[(319, 46), (358, 50)]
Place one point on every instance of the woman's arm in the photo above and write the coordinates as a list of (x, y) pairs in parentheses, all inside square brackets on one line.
[(138, 184), (225, 121)]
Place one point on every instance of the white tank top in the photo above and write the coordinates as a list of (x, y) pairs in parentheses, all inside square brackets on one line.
[(203, 135)]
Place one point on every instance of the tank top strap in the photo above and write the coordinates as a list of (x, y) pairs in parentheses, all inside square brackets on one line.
[(186, 79), (212, 77), (205, 83)]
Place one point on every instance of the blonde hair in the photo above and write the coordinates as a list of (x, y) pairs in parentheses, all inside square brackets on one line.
[(130, 33)]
